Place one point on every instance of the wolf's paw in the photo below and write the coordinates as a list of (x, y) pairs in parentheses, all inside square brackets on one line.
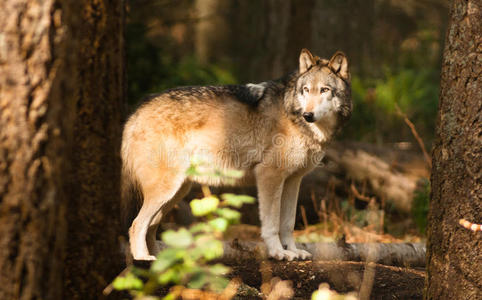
[(146, 257), (302, 254), (283, 255)]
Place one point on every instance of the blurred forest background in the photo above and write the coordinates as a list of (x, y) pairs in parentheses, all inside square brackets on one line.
[(394, 46)]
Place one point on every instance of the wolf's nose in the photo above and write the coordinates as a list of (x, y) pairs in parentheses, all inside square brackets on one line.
[(309, 117)]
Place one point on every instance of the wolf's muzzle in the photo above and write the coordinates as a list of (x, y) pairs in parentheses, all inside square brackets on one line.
[(309, 117)]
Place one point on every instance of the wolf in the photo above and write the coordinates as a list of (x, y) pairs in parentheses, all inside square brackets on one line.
[(274, 131)]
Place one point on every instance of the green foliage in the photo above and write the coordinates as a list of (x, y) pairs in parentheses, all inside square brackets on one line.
[(199, 169), (187, 258), (205, 206), (237, 200), (314, 237), (375, 117), (129, 282), (420, 205), (153, 68), (411, 89)]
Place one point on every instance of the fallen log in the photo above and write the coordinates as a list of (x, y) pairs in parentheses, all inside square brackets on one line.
[(390, 254), (392, 174)]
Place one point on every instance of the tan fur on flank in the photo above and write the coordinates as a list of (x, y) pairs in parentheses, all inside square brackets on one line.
[(261, 129)]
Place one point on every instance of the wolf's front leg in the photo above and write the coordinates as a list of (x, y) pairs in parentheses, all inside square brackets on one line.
[(270, 188), (288, 215)]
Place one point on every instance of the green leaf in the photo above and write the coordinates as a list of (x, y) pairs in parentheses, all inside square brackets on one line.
[(129, 282), (229, 214), (197, 281), (205, 206), (171, 275), (220, 224), (318, 295), (200, 228), (218, 283), (179, 239), (232, 173), (169, 296), (192, 171), (237, 200), (165, 259), (219, 269), (209, 247)]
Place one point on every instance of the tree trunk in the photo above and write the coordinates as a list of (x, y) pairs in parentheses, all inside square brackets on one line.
[(210, 28), (61, 93), (36, 115), (454, 253), (93, 252)]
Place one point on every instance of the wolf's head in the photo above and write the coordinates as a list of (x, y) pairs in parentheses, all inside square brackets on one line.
[(323, 89)]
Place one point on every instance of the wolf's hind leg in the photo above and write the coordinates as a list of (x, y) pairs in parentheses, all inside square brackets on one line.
[(288, 215), (156, 197), (154, 225)]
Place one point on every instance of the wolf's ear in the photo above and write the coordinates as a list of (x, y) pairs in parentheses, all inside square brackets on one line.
[(306, 60), (339, 64)]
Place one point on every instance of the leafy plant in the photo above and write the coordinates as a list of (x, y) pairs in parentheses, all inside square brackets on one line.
[(421, 204), (375, 117), (186, 260)]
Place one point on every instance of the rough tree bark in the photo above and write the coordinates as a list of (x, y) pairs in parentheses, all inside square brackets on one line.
[(93, 252), (454, 253), (36, 114), (61, 89)]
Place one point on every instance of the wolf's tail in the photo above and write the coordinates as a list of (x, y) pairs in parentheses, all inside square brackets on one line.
[(131, 196), (128, 201)]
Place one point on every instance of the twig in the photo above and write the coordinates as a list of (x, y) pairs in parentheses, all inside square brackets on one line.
[(324, 214), (415, 134), (303, 215), (469, 225), (108, 289), (206, 191), (358, 195), (315, 204)]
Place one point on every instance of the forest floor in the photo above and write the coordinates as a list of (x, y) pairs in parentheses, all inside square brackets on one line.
[(259, 277), (379, 281), (269, 279)]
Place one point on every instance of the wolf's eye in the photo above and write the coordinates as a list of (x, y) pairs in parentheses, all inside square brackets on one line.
[(306, 89), (324, 90)]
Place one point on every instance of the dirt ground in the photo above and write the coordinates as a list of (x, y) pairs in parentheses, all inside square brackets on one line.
[(305, 276), (343, 276), (379, 281), (388, 282)]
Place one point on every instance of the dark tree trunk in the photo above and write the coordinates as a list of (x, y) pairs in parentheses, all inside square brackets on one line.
[(93, 252), (61, 93), (454, 253)]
